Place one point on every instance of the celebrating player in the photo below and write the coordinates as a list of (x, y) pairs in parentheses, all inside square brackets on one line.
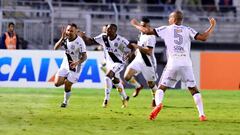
[(144, 62), (177, 38), (116, 50), (75, 50)]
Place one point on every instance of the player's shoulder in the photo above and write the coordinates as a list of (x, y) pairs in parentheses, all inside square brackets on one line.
[(161, 28), (149, 37), (121, 38), (79, 39), (187, 27)]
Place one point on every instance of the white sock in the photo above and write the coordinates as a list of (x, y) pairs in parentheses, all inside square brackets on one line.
[(107, 94), (66, 97), (134, 82), (108, 87), (198, 101), (121, 90), (159, 96), (154, 89)]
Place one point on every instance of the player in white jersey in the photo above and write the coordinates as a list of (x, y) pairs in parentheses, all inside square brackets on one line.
[(177, 40), (116, 50), (75, 50), (144, 62)]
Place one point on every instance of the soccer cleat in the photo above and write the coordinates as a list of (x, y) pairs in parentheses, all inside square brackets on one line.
[(202, 118), (137, 90), (104, 105), (155, 111), (153, 103), (125, 102), (63, 105)]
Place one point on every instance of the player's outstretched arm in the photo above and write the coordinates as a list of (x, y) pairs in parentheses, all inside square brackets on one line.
[(136, 24), (205, 35), (87, 40)]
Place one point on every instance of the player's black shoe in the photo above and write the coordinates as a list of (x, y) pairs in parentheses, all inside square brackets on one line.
[(63, 105)]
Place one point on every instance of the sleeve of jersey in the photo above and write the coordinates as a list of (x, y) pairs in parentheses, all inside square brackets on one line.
[(193, 33), (99, 39), (160, 31), (83, 47), (151, 41), (125, 41)]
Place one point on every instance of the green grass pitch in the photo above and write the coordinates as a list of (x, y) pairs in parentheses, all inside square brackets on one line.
[(34, 111)]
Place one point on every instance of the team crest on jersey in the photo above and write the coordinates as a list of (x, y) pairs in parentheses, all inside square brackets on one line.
[(115, 44)]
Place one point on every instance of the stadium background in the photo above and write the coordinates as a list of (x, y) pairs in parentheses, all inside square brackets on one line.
[(38, 23)]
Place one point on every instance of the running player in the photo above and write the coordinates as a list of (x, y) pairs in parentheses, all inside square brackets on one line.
[(116, 50), (75, 50), (144, 62), (177, 38)]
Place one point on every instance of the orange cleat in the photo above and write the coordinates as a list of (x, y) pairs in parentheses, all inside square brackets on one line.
[(137, 90), (203, 118), (155, 112)]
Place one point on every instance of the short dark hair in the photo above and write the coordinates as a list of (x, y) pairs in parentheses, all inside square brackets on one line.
[(145, 19), (114, 26), (11, 23), (73, 25)]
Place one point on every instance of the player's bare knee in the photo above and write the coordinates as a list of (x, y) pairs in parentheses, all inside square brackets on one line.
[(162, 87), (57, 84), (150, 84), (127, 78), (116, 80), (193, 90), (67, 90)]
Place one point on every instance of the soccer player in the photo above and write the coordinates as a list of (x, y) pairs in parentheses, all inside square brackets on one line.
[(116, 51), (144, 62), (177, 38), (75, 50)]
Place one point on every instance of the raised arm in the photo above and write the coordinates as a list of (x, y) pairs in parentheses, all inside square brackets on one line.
[(205, 35), (61, 40), (136, 24)]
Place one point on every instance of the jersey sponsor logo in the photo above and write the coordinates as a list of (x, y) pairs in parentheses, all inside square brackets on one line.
[(178, 49), (25, 69)]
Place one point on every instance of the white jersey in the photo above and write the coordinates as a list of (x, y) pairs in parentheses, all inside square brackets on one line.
[(114, 50), (73, 51), (177, 39), (147, 41)]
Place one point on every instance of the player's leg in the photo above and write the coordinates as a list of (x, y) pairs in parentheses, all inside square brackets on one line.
[(59, 81), (67, 93), (188, 77), (168, 79), (153, 86), (150, 76), (197, 97), (122, 93), (60, 77), (129, 77), (72, 77), (108, 87)]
